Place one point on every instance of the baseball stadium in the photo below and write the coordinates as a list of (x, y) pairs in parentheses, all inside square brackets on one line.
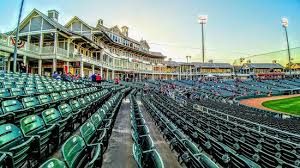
[(122, 84)]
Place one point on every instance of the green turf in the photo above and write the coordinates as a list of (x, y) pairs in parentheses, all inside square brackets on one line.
[(288, 105)]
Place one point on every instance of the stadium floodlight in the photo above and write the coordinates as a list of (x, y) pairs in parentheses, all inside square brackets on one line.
[(202, 19), (285, 23), (17, 38)]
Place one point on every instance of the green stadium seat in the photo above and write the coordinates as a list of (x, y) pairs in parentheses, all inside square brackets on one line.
[(90, 135), (41, 90), (32, 102), (15, 107), (17, 92), (30, 91), (34, 125), (22, 150), (6, 160), (56, 98), (45, 100), (4, 94), (64, 95), (149, 158), (77, 154), (53, 163), (52, 116), (66, 111)]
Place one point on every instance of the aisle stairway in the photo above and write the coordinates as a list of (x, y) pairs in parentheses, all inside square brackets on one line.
[(119, 151), (169, 158)]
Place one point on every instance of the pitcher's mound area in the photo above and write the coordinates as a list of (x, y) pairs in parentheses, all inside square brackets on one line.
[(287, 104)]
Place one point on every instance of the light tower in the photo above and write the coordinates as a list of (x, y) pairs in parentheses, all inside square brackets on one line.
[(17, 38), (285, 23), (202, 19)]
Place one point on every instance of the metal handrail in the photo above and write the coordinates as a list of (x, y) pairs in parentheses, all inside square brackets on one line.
[(206, 110)]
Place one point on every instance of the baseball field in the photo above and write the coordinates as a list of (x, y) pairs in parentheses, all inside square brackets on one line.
[(287, 105)]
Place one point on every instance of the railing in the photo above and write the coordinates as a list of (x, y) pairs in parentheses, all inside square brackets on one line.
[(233, 119)]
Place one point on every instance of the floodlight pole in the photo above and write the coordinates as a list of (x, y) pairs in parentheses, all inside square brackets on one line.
[(289, 52), (202, 27), (17, 38), (202, 20), (284, 22)]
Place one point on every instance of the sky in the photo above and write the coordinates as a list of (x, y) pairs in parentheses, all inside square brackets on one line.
[(235, 28)]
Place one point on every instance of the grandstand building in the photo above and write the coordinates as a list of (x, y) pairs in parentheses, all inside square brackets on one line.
[(47, 46), (80, 48)]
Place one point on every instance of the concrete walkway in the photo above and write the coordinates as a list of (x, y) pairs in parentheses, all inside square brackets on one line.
[(169, 157), (119, 151)]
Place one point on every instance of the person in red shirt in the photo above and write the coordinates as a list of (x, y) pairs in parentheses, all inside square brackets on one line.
[(117, 80), (98, 78)]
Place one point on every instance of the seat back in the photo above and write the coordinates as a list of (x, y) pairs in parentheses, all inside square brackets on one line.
[(29, 102), (41, 89), (12, 140), (51, 116), (11, 106), (65, 95), (30, 90), (156, 160), (71, 93), (53, 163), (73, 151), (96, 120), (17, 92), (55, 96), (87, 132), (74, 104), (32, 124), (65, 110), (44, 99), (4, 92), (10, 136), (137, 154)]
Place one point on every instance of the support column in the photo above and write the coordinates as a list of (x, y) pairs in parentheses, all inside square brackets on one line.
[(55, 42), (191, 74), (54, 66), (152, 76), (180, 73), (41, 43), (40, 62), (28, 42), (93, 69), (68, 47), (107, 74), (25, 62), (8, 63), (81, 70), (101, 72), (112, 74)]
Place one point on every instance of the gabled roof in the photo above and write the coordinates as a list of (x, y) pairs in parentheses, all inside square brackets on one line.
[(171, 63), (263, 65), (77, 18), (157, 54), (145, 43), (48, 19)]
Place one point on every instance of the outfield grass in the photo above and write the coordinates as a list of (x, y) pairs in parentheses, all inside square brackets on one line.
[(288, 105)]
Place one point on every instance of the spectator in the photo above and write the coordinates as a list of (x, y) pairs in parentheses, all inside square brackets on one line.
[(98, 78), (93, 77), (54, 75), (22, 68), (117, 80)]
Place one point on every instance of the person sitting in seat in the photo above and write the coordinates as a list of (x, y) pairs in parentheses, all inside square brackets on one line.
[(98, 78)]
